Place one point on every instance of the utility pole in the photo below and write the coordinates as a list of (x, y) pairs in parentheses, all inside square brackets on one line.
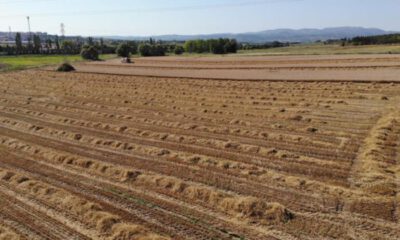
[(9, 34), (62, 26), (29, 30)]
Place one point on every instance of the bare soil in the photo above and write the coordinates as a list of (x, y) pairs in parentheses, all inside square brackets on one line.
[(307, 68), (186, 153)]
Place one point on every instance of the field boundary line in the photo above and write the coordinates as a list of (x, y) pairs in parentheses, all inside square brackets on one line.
[(233, 79)]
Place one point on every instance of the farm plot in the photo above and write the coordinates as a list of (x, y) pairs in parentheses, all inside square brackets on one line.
[(385, 68), (108, 156)]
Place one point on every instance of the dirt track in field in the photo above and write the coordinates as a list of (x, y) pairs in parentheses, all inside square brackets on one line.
[(89, 155), (361, 68)]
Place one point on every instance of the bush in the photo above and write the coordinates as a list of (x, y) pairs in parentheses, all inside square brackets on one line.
[(90, 53), (179, 50), (65, 67)]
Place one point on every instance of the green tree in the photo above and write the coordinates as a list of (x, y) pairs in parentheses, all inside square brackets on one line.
[(231, 46), (217, 46), (78, 44), (90, 41), (189, 46), (18, 43), (37, 43), (124, 50), (145, 49), (49, 43), (179, 50), (68, 47), (57, 42), (201, 46), (133, 46), (158, 50), (30, 46), (151, 50), (90, 53), (102, 46)]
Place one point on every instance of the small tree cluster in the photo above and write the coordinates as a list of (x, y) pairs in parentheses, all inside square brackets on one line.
[(216, 46), (18, 42), (267, 45), (147, 50), (179, 50), (47, 45), (374, 40), (90, 53), (125, 49), (37, 43)]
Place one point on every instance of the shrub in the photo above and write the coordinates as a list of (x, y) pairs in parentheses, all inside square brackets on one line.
[(179, 50), (90, 53), (65, 67)]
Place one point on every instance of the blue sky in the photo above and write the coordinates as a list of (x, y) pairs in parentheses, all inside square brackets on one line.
[(156, 17)]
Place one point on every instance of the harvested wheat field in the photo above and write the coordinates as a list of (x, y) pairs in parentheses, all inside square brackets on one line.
[(203, 148)]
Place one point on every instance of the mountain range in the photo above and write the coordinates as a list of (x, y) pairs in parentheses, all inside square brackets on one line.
[(283, 35)]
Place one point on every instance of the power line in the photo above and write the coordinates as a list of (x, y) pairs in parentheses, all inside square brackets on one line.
[(146, 10)]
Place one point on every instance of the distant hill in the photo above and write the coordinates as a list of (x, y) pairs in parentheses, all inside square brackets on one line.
[(284, 35)]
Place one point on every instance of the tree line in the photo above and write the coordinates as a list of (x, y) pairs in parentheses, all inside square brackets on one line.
[(54, 45), (274, 44), (158, 48), (216, 46), (376, 40), (91, 48), (366, 40)]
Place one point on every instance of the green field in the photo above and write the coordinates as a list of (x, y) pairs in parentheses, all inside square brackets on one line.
[(311, 49), (8, 63), (321, 49)]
